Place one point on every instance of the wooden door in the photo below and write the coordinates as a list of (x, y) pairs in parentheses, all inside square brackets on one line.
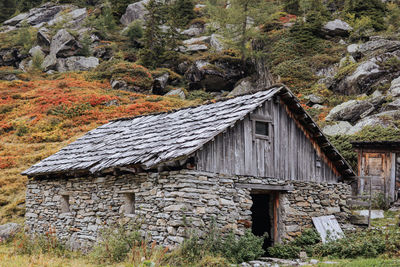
[(379, 165)]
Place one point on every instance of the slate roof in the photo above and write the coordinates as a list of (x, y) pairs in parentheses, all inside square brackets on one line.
[(153, 139)]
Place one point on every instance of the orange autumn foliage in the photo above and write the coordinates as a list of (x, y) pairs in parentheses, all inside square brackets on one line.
[(39, 117)]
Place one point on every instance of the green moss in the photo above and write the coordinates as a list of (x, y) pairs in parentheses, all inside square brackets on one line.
[(346, 70)]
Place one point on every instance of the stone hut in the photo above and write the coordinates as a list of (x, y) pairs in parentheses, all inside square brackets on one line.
[(255, 161), (379, 159)]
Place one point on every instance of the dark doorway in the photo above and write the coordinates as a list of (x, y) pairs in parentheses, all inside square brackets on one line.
[(262, 214)]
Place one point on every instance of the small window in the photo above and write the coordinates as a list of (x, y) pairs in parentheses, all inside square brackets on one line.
[(65, 204), (262, 128), (129, 203)]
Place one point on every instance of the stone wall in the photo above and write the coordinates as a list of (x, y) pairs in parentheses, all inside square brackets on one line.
[(167, 203)]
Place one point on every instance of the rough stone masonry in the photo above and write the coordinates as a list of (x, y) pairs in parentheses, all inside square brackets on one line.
[(167, 203)]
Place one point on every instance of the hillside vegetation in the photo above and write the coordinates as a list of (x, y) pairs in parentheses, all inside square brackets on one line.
[(40, 116)]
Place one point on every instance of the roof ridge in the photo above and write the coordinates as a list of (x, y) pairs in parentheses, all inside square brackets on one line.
[(208, 102)]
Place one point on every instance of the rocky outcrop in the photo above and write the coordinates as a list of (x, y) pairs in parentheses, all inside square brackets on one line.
[(134, 12), (177, 92), (63, 44), (377, 45), (216, 42), (337, 27), (10, 57), (194, 30), (244, 86), (37, 16), (220, 75), (71, 19), (384, 119), (160, 83), (43, 37), (76, 64), (351, 111), (395, 87), (8, 230), (341, 127)]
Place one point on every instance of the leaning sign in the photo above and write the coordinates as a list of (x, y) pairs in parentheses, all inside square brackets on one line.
[(328, 228)]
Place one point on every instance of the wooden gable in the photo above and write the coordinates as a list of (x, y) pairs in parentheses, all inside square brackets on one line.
[(288, 154)]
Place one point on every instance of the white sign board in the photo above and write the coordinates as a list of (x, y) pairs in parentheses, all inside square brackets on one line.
[(328, 228)]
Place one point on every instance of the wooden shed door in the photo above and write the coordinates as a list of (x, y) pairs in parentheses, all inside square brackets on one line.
[(378, 164)]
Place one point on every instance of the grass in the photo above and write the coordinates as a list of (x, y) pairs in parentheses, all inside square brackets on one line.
[(9, 259), (361, 262)]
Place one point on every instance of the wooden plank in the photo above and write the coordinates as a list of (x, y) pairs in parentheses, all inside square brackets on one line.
[(359, 203), (266, 187), (248, 147)]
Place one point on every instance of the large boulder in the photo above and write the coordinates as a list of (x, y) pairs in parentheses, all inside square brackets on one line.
[(395, 87), (177, 92), (73, 18), (49, 62), (36, 50), (341, 127), (160, 83), (244, 86), (10, 57), (197, 40), (8, 230), (134, 12), (43, 37), (351, 111), (37, 16), (77, 64), (395, 105), (216, 43), (194, 48), (194, 30), (63, 44), (220, 75), (361, 80), (377, 45), (384, 119), (337, 27)]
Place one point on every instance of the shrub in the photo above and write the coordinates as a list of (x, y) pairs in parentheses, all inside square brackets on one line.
[(37, 61), (199, 94), (135, 32), (291, 250), (116, 242), (343, 145), (213, 261), (184, 11), (296, 68), (47, 243), (86, 41), (346, 70), (26, 37), (246, 248), (374, 133), (374, 9), (236, 249), (366, 243), (362, 28)]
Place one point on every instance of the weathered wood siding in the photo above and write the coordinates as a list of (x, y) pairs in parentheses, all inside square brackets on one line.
[(288, 156)]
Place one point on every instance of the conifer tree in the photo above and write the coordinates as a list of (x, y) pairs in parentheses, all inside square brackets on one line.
[(292, 6), (153, 37), (238, 21), (8, 8)]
